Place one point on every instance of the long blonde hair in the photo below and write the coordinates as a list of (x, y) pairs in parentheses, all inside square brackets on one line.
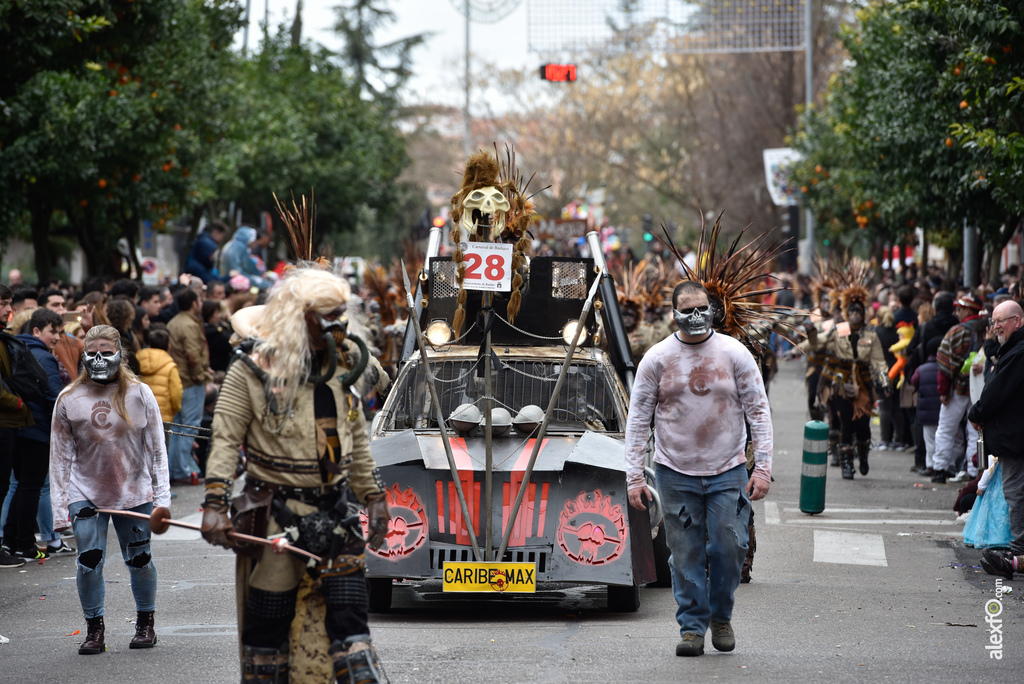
[(284, 334), (125, 376)]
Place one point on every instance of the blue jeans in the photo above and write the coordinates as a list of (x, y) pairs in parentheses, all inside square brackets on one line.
[(706, 529), (90, 529), (179, 449), (44, 518)]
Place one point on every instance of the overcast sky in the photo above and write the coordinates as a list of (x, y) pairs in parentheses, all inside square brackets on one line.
[(438, 65)]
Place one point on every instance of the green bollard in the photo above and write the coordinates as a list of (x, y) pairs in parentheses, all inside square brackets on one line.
[(812, 474)]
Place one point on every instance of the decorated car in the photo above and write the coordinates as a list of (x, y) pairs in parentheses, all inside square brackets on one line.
[(502, 440)]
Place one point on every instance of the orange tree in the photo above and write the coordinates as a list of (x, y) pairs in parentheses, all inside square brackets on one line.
[(100, 102), (884, 154)]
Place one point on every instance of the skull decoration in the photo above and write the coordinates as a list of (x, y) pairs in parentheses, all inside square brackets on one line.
[(102, 367), (483, 213), (693, 321)]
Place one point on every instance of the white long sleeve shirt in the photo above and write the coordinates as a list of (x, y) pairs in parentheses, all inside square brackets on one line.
[(95, 455), (699, 395)]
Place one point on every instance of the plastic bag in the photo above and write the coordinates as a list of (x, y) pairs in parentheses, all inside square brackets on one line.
[(989, 523), (976, 381)]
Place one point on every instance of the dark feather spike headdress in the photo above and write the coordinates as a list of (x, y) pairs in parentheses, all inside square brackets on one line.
[(737, 280), (483, 171)]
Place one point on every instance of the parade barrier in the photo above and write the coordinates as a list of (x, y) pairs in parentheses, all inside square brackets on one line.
[(812, 473)]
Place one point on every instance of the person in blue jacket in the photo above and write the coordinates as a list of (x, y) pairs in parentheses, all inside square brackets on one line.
[(200, 258), (32, 448), (236, 257)]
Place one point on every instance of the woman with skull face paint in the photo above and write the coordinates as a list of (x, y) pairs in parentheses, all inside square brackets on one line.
[(107, 451), (854, 368)]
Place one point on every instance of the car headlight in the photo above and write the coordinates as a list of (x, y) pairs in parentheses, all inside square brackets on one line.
[(569, 331), (438, 333)]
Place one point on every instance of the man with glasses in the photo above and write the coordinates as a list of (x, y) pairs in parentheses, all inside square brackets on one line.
[(998, 411), (699, 386)]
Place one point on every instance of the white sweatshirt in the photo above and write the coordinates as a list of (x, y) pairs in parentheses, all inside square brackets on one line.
[(699, 395), (96, 456)]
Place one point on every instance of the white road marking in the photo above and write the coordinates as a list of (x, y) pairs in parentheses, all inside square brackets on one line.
[(849, 548), (771, 512), (843, 509), (870, 521)]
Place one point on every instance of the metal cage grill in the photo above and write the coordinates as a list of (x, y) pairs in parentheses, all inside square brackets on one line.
[(675, 26), (569, 280), (445, 286), (585, 401)]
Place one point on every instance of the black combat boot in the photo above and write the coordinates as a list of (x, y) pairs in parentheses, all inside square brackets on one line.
[(93, 643), (355, 661), (846, 457), (265, 665), (145, 635), (863, 448)]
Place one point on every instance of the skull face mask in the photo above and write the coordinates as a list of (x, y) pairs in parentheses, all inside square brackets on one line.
[(483, 213), (102, 367), (694, 321)]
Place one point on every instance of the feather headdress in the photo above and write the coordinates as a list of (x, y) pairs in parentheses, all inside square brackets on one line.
[(737, 281), (484, 171), (852, 282)]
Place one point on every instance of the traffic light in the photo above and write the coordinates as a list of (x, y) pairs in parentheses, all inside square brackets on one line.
[(439, 221), (558, 72), (648, 227)]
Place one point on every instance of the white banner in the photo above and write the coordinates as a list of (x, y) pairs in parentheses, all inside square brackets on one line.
[(776, 165)]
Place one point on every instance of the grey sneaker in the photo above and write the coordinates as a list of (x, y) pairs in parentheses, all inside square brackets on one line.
[(692, 644), (722, 636)]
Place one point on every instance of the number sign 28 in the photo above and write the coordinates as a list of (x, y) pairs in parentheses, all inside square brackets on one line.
[(488, 266)]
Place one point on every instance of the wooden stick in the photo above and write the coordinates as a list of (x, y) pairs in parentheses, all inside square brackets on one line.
[(278, 544)]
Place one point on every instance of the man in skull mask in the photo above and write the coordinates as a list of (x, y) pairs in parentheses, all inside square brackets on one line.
[(854, 368), (702, 388), (308, 464)]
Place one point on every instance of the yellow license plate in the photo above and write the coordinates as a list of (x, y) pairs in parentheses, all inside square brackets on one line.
[(499, 577)]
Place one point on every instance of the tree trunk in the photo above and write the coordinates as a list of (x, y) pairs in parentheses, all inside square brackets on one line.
[(41, 212)]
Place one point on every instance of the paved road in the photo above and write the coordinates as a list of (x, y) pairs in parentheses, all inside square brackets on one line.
[(877, 588)]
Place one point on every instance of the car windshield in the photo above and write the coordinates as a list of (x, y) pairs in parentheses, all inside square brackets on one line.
[(585, 402)]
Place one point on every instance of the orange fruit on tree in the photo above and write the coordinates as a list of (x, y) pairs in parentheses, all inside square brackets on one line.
[(956, 71), (102, 182), (112, 93), (949, 142), (83, 203), (963, 104), (817, 169)]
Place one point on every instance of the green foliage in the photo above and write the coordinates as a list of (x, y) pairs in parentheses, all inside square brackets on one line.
[(113, 112), (922, 128)]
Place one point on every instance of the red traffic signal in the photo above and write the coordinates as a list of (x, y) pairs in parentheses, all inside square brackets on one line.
[(558, 72), (439, 221)]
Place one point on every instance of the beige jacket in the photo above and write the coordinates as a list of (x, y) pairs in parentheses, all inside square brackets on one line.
[(284, 449), (189, 350)]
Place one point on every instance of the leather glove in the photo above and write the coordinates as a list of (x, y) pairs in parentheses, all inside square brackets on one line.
[(378, 514), (217, 524), (849, 391)]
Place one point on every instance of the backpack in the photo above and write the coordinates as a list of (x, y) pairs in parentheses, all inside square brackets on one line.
[(28, 379)]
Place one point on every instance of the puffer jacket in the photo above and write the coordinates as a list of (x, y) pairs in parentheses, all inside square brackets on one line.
[(926, 380), (159, 371)]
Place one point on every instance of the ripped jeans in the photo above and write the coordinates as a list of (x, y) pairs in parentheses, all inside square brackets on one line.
[(90, 530), (706, 522)]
